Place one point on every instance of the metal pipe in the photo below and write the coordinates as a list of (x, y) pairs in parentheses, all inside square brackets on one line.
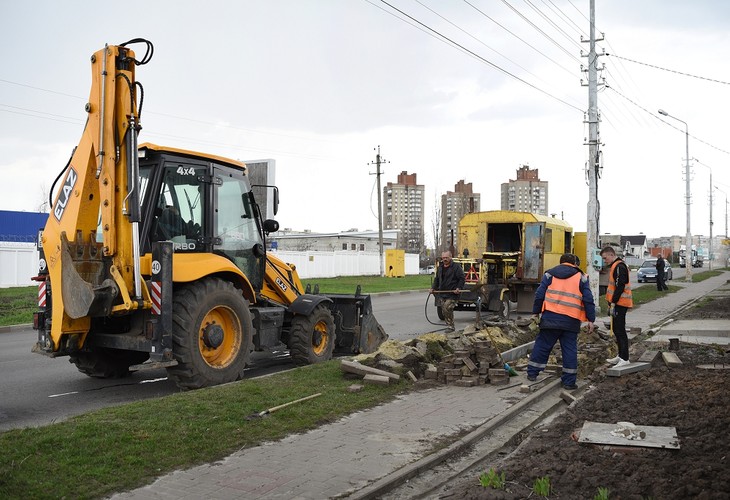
[(102, 109)]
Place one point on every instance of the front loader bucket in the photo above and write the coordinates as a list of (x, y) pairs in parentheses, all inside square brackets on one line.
[(357, 331)]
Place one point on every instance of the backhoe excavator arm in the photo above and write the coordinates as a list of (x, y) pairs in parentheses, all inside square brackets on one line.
[(95, 274)]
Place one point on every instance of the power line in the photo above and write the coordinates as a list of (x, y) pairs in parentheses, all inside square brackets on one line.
[(519, 38), (558, 28), (167, 115), (577, 28), (474, 54), (540, 30), (668, 123), (481, 42), (671, 70)]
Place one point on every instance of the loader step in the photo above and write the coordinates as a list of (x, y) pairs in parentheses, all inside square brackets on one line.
[(152, 365)]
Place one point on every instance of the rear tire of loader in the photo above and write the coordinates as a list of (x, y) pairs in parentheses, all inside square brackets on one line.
[(107, 363), (440, 313), (212, 334), (312, 338)]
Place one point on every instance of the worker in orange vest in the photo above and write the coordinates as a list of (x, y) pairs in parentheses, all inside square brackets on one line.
[(618, 296), (564, 301)]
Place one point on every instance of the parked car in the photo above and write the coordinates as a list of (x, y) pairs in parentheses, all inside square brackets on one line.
[(427, 270), (647, 271)]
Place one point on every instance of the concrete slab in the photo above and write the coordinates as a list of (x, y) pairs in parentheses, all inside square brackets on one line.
[(654, 436), (671, 359), (698, 327), (627, 369), (649, 357), (664, 339)]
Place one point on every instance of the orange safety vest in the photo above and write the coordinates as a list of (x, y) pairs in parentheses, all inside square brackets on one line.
[(626, 299), (563, 296)]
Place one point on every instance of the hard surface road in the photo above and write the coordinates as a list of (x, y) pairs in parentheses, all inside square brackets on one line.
[(36, 390)]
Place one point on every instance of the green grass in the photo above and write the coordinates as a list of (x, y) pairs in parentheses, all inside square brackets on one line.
[(17, 305), (642, 295), (702, 276), (370, 284), (123, 447)]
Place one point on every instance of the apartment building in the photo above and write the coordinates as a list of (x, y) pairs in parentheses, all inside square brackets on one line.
[(526, 193), (403, 209)]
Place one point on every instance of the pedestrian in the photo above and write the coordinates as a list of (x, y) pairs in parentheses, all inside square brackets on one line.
[(563, 300), (618, 296), (447, 285), (661, 285)]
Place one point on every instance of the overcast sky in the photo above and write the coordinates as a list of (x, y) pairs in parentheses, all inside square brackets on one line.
[(318, 84)]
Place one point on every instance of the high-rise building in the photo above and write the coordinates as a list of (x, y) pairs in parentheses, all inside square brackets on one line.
[(527, 193), (403, 204), (454, 205)]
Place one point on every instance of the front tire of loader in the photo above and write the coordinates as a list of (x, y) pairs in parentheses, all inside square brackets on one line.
[(212, 334), (312, 338), (107, 363)]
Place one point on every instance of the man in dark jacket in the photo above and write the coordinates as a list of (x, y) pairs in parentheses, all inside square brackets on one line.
[(564, 300), (449, 279), (660, 265)]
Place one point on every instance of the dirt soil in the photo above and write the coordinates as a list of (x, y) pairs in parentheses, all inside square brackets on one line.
[(695, 401)]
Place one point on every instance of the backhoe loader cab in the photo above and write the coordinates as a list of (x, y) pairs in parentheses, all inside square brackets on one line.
[(156, 257)]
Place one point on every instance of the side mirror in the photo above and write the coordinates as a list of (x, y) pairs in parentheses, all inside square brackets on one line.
[(270, 226)]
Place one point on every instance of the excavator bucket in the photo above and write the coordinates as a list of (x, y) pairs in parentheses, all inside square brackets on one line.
[(357, 331)]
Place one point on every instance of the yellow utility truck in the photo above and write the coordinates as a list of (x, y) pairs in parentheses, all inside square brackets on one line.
[(504, 255), (156, 257)]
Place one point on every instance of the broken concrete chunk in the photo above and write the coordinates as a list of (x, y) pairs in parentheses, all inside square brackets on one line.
[(355, 388), (525, 388), (567, 397), (411, 376), (376, 379)]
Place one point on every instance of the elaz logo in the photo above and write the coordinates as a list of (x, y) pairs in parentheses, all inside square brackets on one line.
[(281, 284), (65, 194)]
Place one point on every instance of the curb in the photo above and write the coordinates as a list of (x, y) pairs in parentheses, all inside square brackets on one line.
[(15, 328), (390, 481)]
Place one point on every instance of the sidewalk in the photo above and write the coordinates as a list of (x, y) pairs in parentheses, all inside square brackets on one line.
[(347, 457)]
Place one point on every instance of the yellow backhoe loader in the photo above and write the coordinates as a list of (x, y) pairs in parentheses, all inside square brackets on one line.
[(156, 257)]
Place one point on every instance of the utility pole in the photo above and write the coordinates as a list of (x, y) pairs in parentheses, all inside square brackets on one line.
[(594, 164), (378, 160)]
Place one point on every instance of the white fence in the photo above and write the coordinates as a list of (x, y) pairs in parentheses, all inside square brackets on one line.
[(19, 263), (340, 263)]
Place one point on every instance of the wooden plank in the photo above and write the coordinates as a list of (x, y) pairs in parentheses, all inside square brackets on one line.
[(655, 437), (362, 370), (671, 359)]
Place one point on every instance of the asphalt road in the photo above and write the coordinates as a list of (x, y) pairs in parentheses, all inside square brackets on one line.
[(36, 390)]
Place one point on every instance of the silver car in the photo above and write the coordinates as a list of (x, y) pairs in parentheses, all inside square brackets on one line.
[(647, 271)]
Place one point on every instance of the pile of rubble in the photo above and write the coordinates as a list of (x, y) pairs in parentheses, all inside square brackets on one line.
[(465, 358), (468, 358)]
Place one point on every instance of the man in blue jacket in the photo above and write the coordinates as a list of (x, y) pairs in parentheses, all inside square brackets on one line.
[(564, 300)]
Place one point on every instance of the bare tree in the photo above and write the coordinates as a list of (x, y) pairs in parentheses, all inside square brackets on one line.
[(43, 203)]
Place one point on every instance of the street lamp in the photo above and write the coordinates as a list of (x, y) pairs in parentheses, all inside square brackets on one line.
[(688, 238), (711, 223), (725, 193)]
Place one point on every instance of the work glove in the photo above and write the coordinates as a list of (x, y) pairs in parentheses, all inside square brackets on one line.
[(612, 310), (534, 325)]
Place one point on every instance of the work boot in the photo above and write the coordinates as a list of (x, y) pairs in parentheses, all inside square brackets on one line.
[(570, 387), (449, 329), (531, 378), (622, 362), (613, 361)]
